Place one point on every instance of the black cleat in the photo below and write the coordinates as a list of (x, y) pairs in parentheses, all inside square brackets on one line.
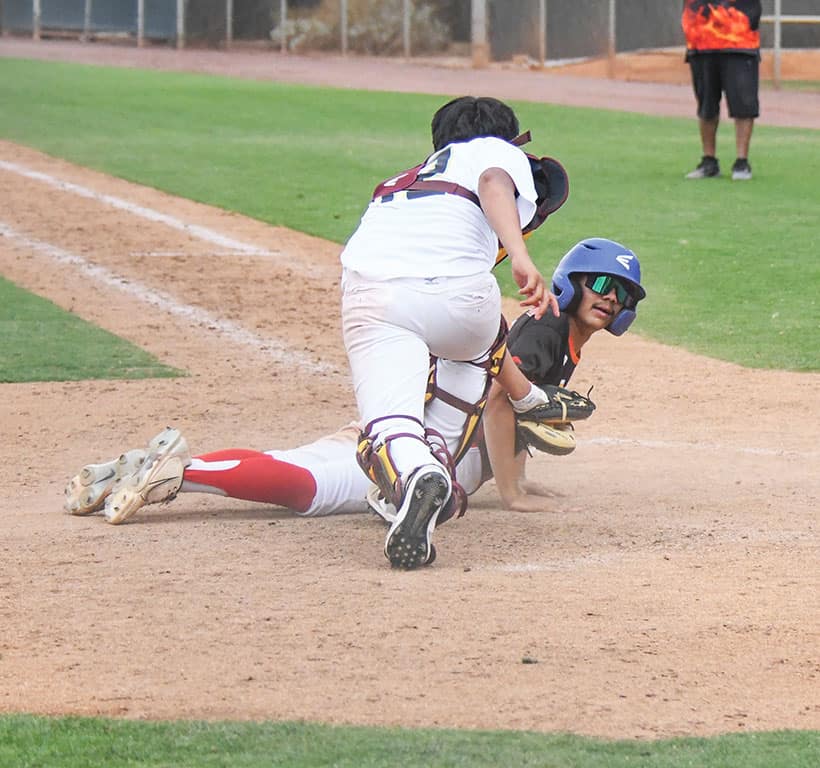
[(408, 544)]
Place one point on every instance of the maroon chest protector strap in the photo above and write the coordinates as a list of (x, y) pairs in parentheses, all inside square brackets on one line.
[(408, 181)]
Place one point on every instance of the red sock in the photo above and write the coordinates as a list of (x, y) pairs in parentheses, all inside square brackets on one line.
[(257, 477)]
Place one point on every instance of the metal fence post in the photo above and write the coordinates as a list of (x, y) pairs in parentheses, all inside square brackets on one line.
[(343, 20), (86, 22), (778, 19), (283, 20), (36, 15), (228, 23), (611, 47), (180, 23), (405, 24), (542, 25), (777, 31), (478, 33)]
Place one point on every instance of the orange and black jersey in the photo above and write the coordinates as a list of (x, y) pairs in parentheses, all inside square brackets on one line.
[(542, 348), (721, 25)]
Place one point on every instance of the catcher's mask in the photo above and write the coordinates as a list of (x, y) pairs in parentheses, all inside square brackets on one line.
[(551, 189), (551, 184), (599, 256)]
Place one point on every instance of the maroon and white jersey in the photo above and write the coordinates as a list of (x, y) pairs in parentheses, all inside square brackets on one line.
[(425, 234)]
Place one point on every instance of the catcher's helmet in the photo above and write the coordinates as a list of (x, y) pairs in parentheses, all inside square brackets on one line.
[(551, 188), (551, 184), (597, 255)]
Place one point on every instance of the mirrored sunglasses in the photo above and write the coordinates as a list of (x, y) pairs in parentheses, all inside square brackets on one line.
[(603, 284)]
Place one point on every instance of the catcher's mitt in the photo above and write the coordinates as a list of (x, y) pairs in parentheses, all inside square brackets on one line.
[(563, 405), (557, 439), (548, 427)]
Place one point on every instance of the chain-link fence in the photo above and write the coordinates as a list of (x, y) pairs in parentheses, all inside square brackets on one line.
[(541, 30)]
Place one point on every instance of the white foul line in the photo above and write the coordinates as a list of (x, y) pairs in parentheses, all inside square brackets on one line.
[(667, 444), (271, 347), (203, 233)]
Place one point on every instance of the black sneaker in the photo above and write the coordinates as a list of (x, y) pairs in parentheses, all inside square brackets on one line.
[(708, 168), (741, 170)]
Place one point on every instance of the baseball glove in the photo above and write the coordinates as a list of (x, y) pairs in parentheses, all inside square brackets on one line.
[(557, 439), (548, 427), (562, 406)]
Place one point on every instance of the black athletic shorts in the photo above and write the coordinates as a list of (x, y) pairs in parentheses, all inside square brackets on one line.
[(735, 74)]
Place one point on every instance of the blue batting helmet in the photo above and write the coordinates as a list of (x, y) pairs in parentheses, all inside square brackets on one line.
[(597, 255)]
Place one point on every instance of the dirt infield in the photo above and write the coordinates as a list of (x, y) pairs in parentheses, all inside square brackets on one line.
[(672, 592)]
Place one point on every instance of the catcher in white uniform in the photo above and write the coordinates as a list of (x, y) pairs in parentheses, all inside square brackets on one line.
[(417, 281), (323, 477), (418, 285)]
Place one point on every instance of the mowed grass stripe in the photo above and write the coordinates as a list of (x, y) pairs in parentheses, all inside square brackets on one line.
[(42, 342)]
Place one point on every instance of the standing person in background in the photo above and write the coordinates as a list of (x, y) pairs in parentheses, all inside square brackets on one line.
[(723, 51)]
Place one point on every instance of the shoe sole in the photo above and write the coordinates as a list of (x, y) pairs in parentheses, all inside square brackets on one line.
[(408, 544), (87, 491), (131, 495)]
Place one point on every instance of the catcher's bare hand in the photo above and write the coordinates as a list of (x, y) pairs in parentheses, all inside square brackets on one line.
[(532, 286)]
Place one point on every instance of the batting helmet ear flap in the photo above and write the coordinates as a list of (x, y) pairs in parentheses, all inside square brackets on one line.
[(567, 290), (576, 295)]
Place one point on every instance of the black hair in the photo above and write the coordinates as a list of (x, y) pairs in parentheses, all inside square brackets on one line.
[(469, 117)]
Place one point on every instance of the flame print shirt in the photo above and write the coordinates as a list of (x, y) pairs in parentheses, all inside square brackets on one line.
[(712, 26)]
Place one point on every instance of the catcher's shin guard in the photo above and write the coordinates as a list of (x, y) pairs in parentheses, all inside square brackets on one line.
[(377, 462), (456, 504), (379, 467)]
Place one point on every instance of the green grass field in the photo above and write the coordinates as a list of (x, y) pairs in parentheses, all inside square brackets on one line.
[(731, 271), (35, 742), (47, 344), (730, 268)]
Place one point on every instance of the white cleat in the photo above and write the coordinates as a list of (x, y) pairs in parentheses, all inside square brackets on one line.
[(158, 479), (87, 491), (379, 506)]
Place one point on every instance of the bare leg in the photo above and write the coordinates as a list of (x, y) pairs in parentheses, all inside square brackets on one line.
[(743, 135), (708, 135)]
